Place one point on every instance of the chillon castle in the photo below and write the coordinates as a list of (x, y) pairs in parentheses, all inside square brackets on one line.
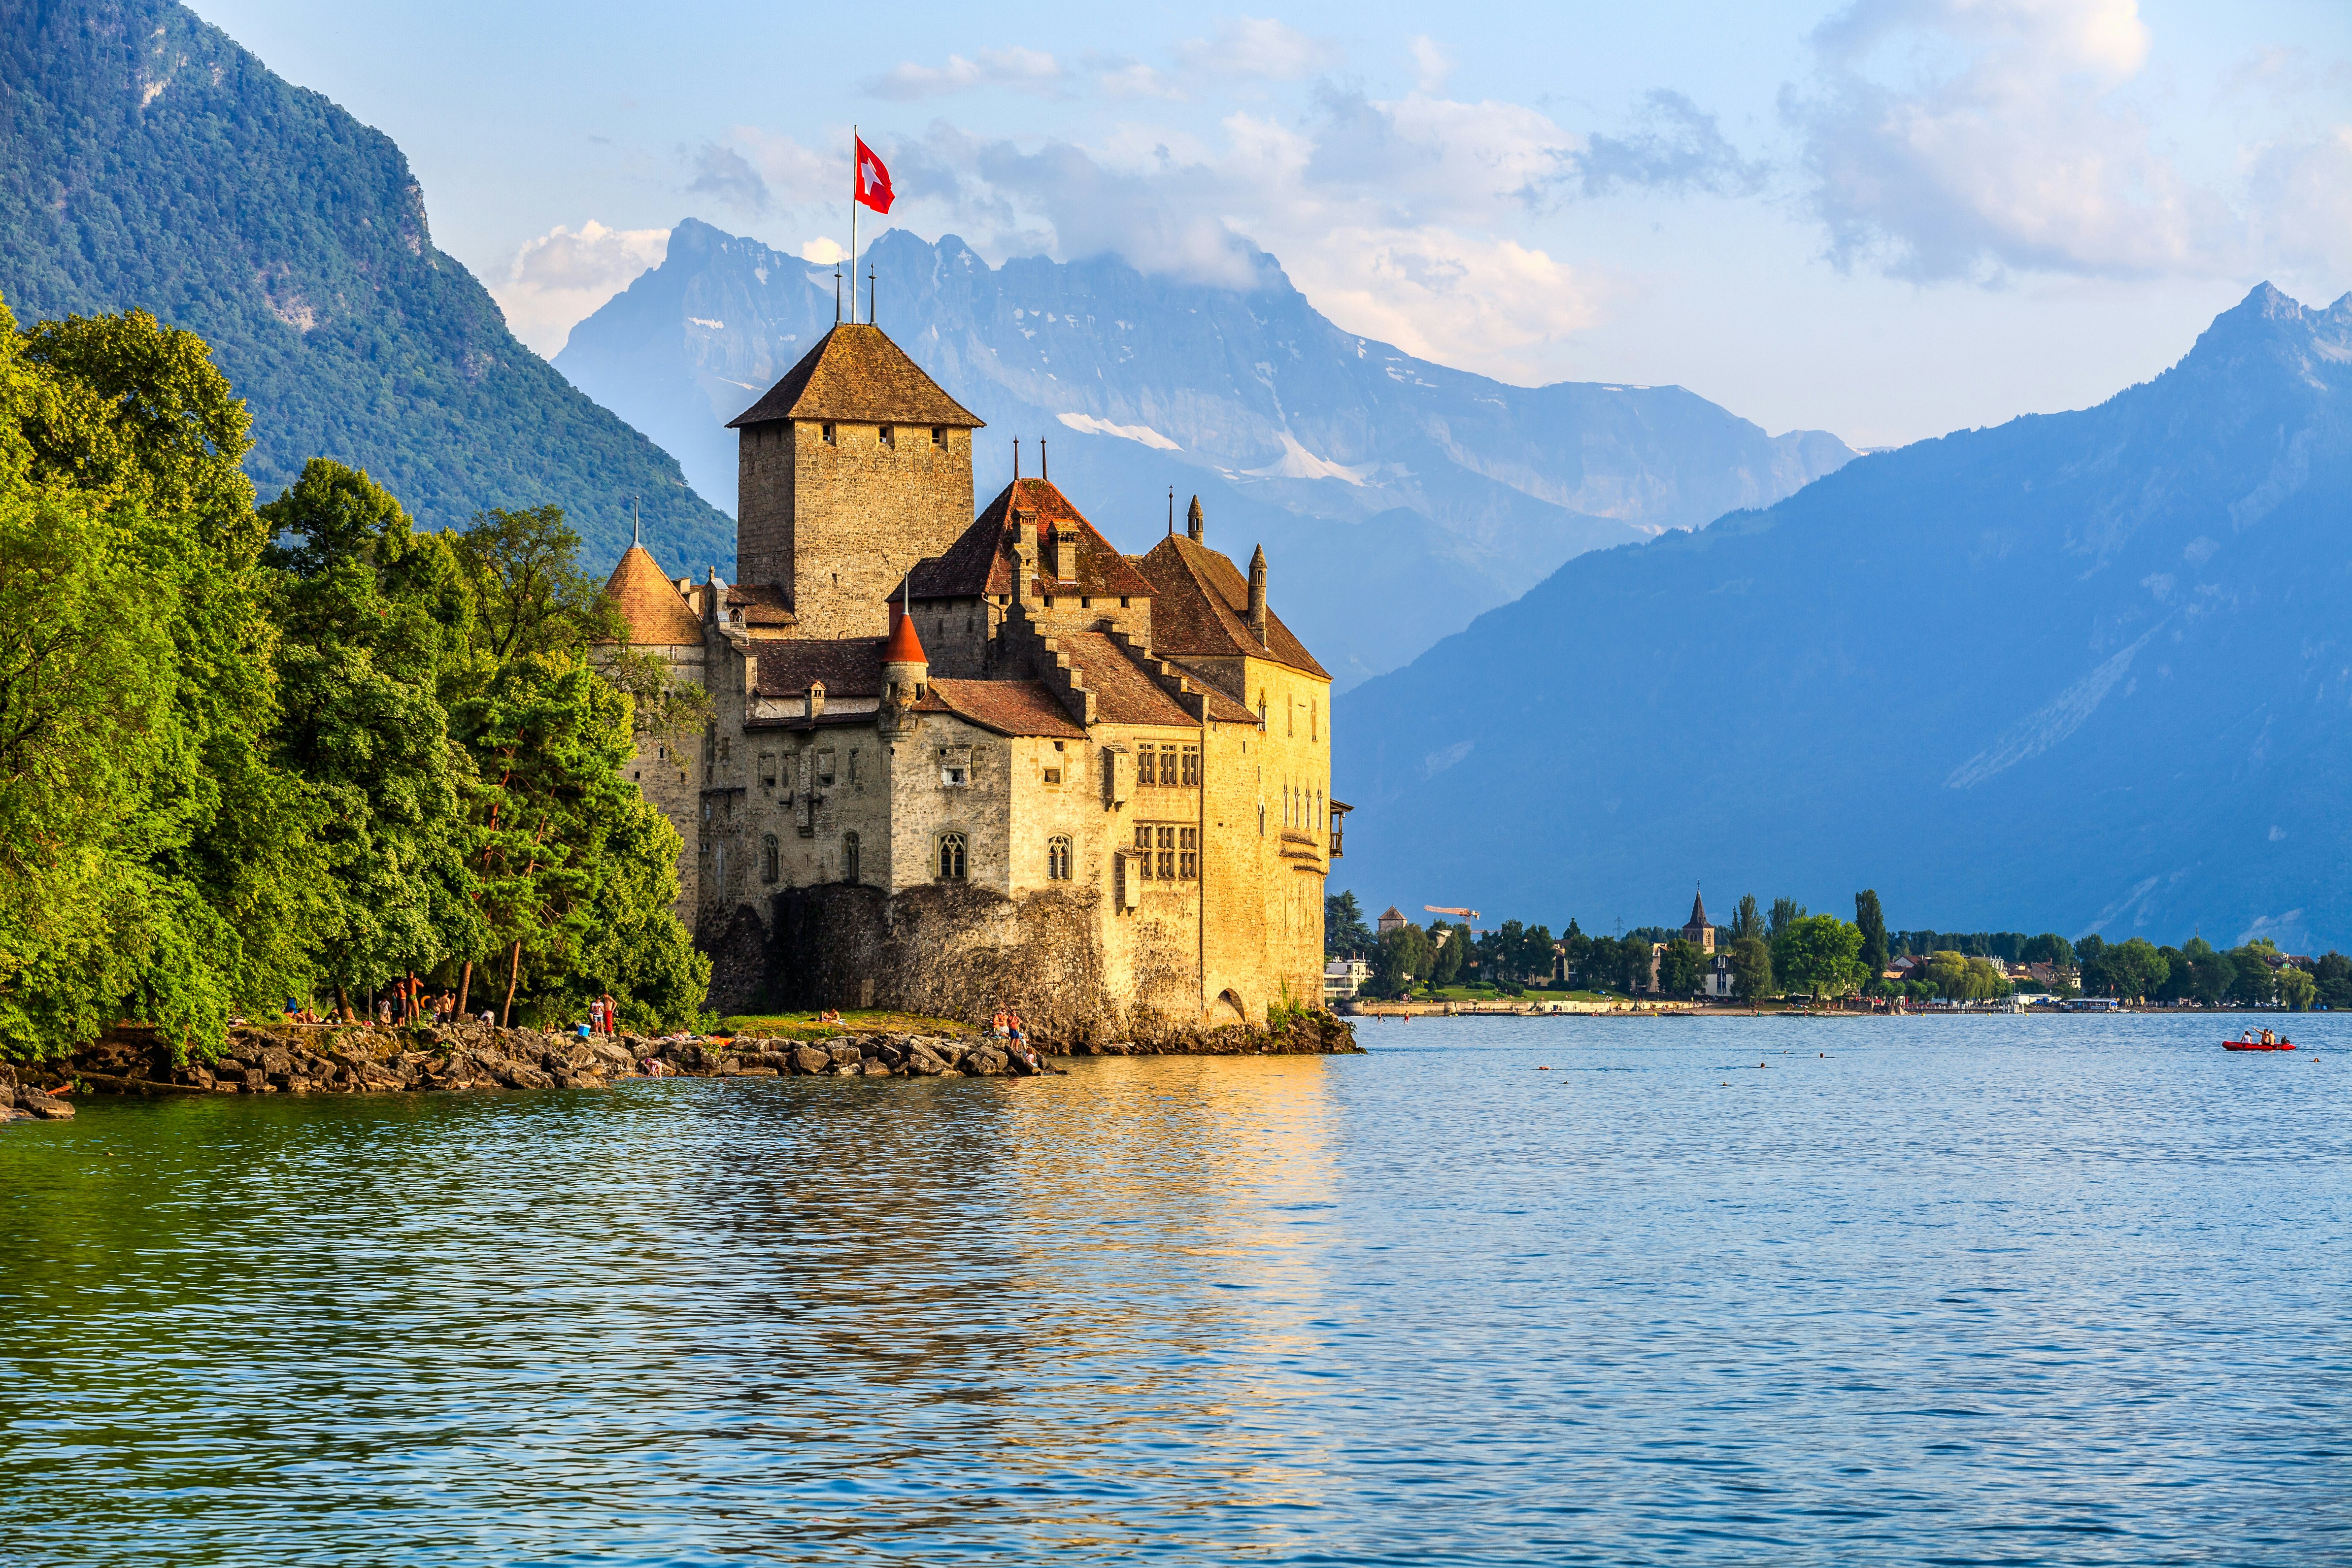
[(960, 762)]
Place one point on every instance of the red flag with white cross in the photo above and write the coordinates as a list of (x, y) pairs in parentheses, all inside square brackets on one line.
[(873, 182)]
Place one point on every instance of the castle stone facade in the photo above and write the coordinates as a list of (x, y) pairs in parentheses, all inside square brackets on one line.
[(963, 762)]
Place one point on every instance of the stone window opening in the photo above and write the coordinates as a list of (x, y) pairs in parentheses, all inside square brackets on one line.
[(939, 436), (768, 769), (824, 767), (1261, 819), (661, 754), (952, 857), (1053, 777), (636, 775), (722, 748), (828, 433), (1166, 853), (1086, 601), (1188, 854), (771, 858), (890, 436), (1122, 602), (1312, 733), (1057, 860), (1191, 767), (853, 762), (849, 856)]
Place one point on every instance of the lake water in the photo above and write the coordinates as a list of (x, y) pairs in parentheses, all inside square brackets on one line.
[(1966, 1291)]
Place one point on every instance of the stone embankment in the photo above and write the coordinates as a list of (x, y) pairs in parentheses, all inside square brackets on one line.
[(352, 1059)]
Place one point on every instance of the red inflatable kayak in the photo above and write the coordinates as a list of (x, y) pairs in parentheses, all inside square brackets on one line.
[(2256, 1045)]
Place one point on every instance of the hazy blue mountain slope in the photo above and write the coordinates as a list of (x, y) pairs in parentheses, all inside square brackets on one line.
[(1251, 398), (2091, 670), (146, 159)]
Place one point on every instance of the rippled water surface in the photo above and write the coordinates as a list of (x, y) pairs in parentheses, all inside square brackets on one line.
[(1916, 1291)]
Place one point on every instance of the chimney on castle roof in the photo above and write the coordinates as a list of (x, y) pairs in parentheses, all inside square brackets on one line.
[(1025, 550), (1257, 595), (1062, 555), (1192, 520)]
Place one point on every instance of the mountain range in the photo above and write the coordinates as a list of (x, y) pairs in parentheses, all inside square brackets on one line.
[(1375, 478), (147, 161), (2087, 671)]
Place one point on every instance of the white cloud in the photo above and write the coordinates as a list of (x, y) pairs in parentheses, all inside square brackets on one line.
[(1431, 66), (823, 250), (1397, 218), (1964, 137), (1017, 70), (2304, 189), (560, 278), (1257, 48)]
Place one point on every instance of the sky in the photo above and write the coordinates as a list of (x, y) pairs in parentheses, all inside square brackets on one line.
[(1887, 219)]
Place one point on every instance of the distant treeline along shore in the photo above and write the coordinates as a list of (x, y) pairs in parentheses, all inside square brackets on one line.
[(1786, 950)]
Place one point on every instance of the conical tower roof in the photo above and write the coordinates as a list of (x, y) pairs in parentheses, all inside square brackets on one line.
[(657, 614), (904, 647), (1698, 913)]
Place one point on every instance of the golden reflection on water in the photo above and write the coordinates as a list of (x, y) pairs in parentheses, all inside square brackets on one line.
[(1218, 1172)]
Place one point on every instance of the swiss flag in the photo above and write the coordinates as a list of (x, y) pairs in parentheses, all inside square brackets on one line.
[(872, 186)]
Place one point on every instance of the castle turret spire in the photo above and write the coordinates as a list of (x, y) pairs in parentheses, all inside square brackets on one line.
[(1192, 520)]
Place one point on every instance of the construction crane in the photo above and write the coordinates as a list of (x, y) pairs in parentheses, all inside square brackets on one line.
[(1465, 914)]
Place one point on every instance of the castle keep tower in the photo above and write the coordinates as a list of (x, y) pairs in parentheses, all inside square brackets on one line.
[(852, 468)]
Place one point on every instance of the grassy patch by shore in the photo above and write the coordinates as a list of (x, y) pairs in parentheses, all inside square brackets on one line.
[(804, 1026)]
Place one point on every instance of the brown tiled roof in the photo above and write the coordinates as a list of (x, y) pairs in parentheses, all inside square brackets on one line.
[(656, 611), (848, 666), (1008, 707), (1124, 692), (763, 604), (1223, 709), (857, 374), (1199, 606), (981, 560)]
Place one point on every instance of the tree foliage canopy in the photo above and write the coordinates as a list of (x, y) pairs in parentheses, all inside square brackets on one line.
[(248, 754)]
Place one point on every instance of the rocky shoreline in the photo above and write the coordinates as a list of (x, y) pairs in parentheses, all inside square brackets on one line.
[(333, 1059)]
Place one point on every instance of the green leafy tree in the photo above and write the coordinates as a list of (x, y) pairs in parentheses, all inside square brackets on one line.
[(2296, 990), (1747, 920), (1534, 955), (1679, 968), (195, 866), (2331, 975), (1751, 968), (1574, 947), (1399, 960), (1636, 966), (1448, 943), (2048, 948), (1344, 930), (1819, 954), (370, 612), (2126, 970), (1871, 922), (2253, 982), (1786, 912), (1599, 968)]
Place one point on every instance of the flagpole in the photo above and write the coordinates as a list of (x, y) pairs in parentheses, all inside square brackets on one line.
[(853, 225)]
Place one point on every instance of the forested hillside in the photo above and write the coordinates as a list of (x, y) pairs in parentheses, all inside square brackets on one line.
[(147, 161)]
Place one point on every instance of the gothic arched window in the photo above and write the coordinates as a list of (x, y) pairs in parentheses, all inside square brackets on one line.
[(1057, 860), (770, 859), (952, 857), (849, 855)]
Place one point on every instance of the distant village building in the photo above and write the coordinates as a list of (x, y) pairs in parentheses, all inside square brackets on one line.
[(1392, 920), (964, 760), (1343, 978)]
